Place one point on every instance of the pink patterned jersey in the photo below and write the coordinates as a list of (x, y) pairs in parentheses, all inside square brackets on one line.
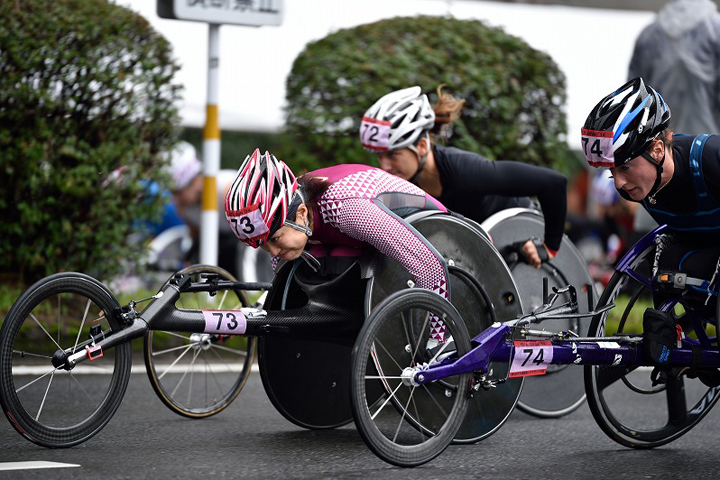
[(364, 205)]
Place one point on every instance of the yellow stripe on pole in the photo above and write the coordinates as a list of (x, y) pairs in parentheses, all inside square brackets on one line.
[(209, 195), (212, 126)]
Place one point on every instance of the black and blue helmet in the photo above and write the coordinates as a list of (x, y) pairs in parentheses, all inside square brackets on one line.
[(623, 125)]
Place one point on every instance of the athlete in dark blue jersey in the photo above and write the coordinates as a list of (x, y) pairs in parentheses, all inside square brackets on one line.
[(676, 178)]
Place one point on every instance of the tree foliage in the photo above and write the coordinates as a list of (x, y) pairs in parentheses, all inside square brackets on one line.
[(514, 94), (85, 87)]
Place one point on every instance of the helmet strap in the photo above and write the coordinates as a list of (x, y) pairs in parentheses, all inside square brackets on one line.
[(423, 159), (306, 229), (659, 166)]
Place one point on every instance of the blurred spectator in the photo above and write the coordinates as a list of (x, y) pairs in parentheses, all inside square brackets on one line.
[(187, 183), (679, 55)]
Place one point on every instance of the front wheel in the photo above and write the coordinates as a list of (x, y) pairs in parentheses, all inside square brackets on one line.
[(48, 405), (197, 375), (409, 425), (621, 398)]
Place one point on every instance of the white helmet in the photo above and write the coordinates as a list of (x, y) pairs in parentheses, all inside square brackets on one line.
[(184, 165), (396, 120)]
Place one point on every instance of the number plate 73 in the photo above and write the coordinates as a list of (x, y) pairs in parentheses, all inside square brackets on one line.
[(231, 322)]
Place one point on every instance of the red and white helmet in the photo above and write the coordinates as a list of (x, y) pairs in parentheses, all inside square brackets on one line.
[(257, 201)]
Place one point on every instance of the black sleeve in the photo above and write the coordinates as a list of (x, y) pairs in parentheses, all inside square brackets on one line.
[(479, 176), (550, 188)]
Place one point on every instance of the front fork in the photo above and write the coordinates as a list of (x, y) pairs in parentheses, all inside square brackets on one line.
[(135, 326)]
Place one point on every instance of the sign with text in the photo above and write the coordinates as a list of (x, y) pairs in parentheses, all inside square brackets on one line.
[(235, 12)]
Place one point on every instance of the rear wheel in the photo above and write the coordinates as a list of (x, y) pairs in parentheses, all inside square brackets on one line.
[(51, 406), (197, 375), (410, 425), (668, 411)]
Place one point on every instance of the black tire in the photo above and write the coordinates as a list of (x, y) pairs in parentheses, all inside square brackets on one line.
[(175, 360), (420, 422), (668, 411), (49, 406)]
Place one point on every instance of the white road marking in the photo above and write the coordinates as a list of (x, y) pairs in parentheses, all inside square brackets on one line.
[(30, 465), (82, 369)]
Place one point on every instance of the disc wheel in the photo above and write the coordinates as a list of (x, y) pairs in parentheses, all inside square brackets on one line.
[(409, 425), (621, 398), (560, 391), (51, 406), (197, 375)]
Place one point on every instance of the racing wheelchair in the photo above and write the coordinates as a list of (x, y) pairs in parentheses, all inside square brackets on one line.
[(65, 345), (616, 367)]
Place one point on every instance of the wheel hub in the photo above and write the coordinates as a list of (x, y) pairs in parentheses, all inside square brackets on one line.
[(201, 341), (408, 376)]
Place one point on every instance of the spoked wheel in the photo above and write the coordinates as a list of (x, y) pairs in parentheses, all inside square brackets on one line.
[(622, 399), (409, 425), (197, 375), (51, 406)]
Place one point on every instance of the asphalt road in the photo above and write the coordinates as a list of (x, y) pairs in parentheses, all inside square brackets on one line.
[(251, 440)]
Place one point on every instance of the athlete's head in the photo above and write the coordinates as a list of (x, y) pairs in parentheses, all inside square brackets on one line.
[(263, 204), (625, 125), (394, 126)]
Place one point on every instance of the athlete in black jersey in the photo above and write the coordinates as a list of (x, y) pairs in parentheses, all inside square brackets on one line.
[(675, 177), (398, 127)]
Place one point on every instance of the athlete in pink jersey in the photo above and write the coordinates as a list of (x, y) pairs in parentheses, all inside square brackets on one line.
[(343, 208)]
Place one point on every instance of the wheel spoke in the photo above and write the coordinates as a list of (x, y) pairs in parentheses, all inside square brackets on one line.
[(222, 300), (390, 397), (42, 403), (209, 372), (224, 362), (87, 394), (82, 324), (228, 349), (187, 349), (51, 372), (23, 353), (174, 349), (173, 334), (46, 332), (402, 417), (188, 369)]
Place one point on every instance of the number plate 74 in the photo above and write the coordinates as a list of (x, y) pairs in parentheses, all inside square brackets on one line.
[(531, 357)]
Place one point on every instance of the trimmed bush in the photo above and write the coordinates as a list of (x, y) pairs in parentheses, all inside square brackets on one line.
[(85, 87), (514, 94)]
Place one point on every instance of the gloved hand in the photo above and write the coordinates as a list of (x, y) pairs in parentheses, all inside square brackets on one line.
[(533, 251)]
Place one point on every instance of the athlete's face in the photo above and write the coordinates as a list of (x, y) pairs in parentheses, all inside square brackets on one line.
[(638, 176), (402, 162), (288, 243)]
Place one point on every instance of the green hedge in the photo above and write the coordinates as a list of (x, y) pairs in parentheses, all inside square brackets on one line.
[(514, 93), (85, 87)]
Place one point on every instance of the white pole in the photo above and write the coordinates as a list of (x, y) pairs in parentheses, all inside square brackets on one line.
[(211, 155)]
